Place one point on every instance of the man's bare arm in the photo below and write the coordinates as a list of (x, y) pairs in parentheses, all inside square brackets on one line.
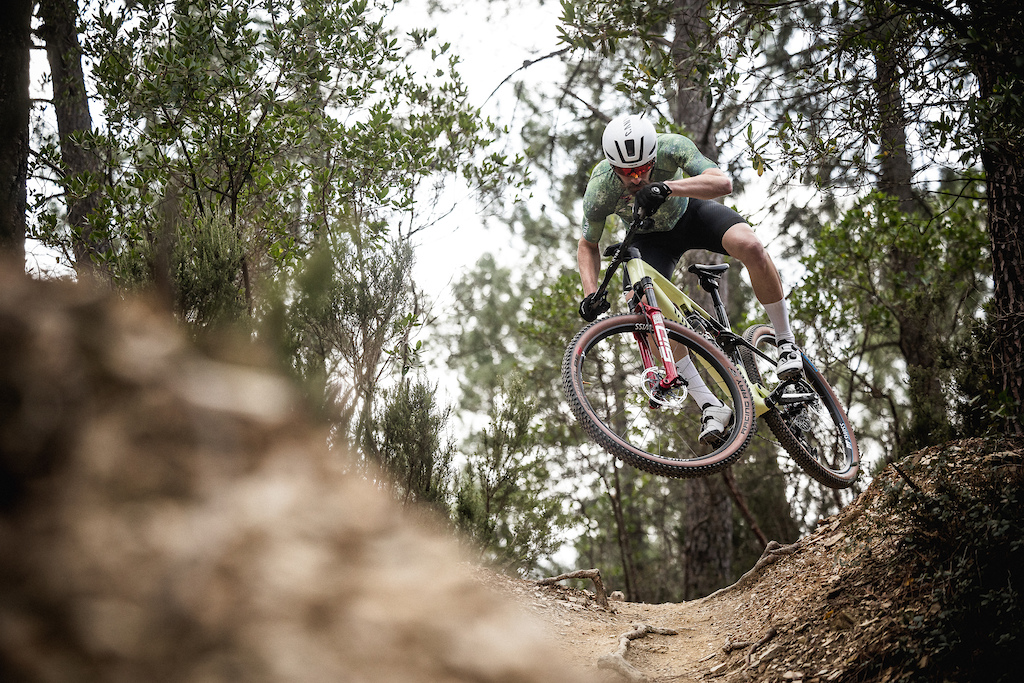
[(588, 259), (711, 184)]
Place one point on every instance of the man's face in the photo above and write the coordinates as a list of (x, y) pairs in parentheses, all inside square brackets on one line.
[(634, 178)]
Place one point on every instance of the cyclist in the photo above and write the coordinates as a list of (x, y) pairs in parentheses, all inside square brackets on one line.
[(675, 186)]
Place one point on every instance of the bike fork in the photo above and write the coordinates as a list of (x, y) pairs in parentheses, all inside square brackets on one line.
[(657, 320)]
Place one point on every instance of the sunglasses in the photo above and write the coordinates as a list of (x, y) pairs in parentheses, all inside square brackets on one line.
[(633, 173)]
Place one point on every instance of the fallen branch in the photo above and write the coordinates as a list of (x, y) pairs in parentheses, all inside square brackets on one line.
[(592, 574), (731, 646), (773, 552), (616, 661)]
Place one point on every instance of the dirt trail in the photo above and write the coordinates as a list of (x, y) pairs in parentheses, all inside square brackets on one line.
[(587, 632), (804, 613), (830, 607)]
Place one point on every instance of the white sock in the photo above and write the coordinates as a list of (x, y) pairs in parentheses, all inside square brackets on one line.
[(778, 315), (695, 383)]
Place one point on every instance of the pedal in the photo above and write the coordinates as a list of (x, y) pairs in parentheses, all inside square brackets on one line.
[(791, 392)]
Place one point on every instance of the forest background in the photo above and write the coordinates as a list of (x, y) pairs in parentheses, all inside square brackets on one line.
[(271, 165)]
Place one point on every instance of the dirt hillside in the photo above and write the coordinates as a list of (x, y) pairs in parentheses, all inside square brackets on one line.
[(169, 513), (830, 607)]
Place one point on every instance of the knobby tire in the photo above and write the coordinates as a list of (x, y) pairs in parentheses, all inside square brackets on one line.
[(602, 376), (819, 438)]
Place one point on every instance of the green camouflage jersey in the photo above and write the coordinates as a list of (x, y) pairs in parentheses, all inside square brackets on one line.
[(606, 196)]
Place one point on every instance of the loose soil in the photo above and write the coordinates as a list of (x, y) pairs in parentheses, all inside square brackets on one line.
[(817, 610)]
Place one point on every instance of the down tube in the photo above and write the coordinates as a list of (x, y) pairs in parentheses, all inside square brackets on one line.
[(671, 300)]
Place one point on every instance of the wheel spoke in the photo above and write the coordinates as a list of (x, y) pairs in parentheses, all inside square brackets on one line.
[(816, 434)]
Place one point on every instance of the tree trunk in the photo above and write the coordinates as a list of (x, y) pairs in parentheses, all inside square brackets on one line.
[(690, 107), (707, 525), (15, 46), (1004, 172), (896, 170), (71, 106), (623, 537), (708, 537), (996, 61), (919, 340)]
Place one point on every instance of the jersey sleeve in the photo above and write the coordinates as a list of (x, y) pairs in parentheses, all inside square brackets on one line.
[(684, 154), (600, 201)]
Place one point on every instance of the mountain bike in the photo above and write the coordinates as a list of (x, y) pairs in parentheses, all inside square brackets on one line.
[(622, 384)]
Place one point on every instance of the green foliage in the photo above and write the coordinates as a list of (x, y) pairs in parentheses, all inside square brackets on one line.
[(349, 307), (965, 550), (407, 439), (505, 499), (981, 408), (265, 162), (646, 31), (206, 262), (287, 119), (200, 263), (888, 293), (488, 307)]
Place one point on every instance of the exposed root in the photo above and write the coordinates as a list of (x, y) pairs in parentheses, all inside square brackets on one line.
[(773, 552), (732, 646), (616, 661), (592, 574), (759, 644)]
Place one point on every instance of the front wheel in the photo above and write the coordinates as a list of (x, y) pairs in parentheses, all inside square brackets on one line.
[(815, 432), (616, 400)]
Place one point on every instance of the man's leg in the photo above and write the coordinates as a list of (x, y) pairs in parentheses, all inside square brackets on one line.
[(741, 243)]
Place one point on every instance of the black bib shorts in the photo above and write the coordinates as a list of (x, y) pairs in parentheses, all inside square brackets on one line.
[(702, 226)]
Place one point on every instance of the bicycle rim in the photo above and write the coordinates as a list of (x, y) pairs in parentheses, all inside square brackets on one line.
[(817, 435), (610, 395)]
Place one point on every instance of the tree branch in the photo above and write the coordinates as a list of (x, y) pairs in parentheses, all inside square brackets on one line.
[(526, 63)]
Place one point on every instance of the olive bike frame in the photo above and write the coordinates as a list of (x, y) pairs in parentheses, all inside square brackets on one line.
[(676, 305), (656, 297)]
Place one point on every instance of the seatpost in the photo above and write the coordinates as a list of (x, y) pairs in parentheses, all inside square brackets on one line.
[(720, 312), (710, 285)]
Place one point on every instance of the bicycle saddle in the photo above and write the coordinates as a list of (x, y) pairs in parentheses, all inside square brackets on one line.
[(709, 270)]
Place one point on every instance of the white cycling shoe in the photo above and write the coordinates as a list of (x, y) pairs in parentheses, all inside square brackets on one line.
[(790, 364), (714, 422)]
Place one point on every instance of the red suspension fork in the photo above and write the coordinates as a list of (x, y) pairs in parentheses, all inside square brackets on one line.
[(657, 320)]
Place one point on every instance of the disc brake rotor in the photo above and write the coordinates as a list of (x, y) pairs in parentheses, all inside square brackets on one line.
[(650, 380)]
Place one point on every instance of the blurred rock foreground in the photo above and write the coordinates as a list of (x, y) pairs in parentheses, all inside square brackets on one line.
[(168, 516)]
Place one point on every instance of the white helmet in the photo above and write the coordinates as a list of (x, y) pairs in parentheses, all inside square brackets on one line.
[(630, 141)]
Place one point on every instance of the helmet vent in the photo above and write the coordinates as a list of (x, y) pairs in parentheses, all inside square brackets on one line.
[(631, 152)]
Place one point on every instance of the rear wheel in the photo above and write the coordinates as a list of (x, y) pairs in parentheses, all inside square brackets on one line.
[(815, 432), (617, 402)]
